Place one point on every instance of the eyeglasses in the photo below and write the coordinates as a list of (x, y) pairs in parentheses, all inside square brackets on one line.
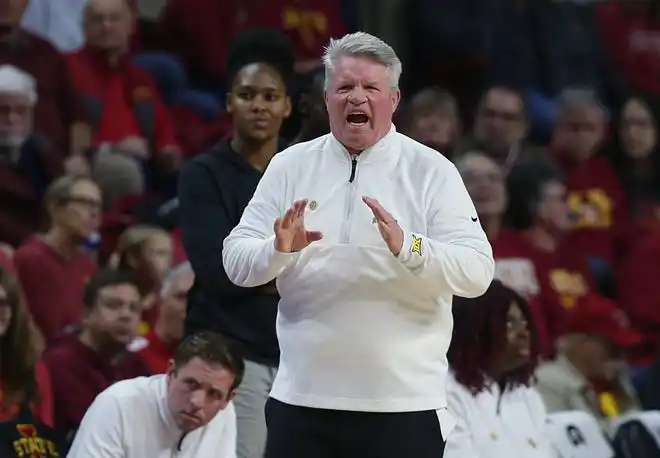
[(515, 326), (91, 204), (507, 116)]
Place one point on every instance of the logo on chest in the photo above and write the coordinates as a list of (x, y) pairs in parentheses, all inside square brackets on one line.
[(30, 445), (593, 208), (569, 286)]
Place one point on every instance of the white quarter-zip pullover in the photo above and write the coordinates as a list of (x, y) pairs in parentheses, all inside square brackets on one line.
[(132, 419), (360, 329)]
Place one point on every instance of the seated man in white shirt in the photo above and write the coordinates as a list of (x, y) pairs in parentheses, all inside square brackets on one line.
[(185, 413), (492, 357)]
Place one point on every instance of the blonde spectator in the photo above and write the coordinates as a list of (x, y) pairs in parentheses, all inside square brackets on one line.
[(145, 251), (53, 268)]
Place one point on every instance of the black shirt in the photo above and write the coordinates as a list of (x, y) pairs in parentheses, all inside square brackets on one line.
[(214, 189)]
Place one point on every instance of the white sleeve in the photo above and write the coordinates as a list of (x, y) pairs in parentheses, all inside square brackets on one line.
[(539, 416), (460, 443), (100, 433), (456, 256), (249, 253), (228, 443)]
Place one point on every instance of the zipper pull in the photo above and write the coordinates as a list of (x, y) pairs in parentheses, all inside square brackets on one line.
[(353, 167)]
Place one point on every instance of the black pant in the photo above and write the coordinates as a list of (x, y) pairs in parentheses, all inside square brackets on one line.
[(303, 432)]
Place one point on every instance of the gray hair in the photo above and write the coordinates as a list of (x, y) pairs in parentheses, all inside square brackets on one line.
[(16, 81), (578, 98), (365, 45), (175, 273)]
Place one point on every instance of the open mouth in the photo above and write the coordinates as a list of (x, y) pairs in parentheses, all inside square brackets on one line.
[(357, 119)]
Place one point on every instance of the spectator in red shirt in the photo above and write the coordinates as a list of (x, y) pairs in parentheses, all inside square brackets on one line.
[(595, 193), (24, 380), (58, 116), (561, 273), (27, 164), (639, 287), (636, 159), (484, 180), (52, 268), (120, 98), (145, 251), (157, 347), (84, 364)]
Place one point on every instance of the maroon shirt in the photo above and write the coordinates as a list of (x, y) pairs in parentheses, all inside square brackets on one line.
[(58, 106), (53, 285), (78, 374)]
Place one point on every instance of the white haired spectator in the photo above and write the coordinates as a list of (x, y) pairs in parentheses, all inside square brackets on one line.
[(18, 96), (15, 81)]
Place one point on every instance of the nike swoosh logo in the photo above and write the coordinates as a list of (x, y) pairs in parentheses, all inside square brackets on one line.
[(474, 219)]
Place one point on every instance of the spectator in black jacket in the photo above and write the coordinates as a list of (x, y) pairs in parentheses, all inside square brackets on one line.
[(214, 189)]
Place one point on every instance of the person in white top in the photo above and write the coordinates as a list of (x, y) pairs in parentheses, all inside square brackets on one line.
[(186, 413), (492, 359), (369, 235)]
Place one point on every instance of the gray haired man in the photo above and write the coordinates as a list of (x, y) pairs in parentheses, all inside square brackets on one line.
[(369, 234)]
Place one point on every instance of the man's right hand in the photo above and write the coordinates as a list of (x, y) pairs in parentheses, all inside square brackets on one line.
[(290, 233)]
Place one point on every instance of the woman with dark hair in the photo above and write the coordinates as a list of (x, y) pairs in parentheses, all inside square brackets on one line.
[(636, 158), (24, 381), (493, 355), (214, 189)]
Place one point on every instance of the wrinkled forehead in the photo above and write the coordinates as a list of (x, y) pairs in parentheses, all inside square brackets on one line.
[(15, 99), (359, 68)]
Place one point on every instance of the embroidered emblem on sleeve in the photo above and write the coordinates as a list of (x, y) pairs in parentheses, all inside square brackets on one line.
[(416, 246)]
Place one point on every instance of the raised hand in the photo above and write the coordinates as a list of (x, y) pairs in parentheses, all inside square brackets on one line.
[(387, 226), (290, 233)]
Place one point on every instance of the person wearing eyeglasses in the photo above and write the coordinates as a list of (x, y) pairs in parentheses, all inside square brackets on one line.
[(53, 267), (492, 358)]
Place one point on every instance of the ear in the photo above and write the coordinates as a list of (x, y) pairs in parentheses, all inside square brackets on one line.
[(228, 104), (325, 97), (396, 98), (287, 110), (171, 369), (231, 396)]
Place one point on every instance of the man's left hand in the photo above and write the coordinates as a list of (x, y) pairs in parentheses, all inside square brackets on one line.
[(387, 226)]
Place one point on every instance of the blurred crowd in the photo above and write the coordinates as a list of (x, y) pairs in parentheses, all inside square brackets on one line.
[(549, 110)]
